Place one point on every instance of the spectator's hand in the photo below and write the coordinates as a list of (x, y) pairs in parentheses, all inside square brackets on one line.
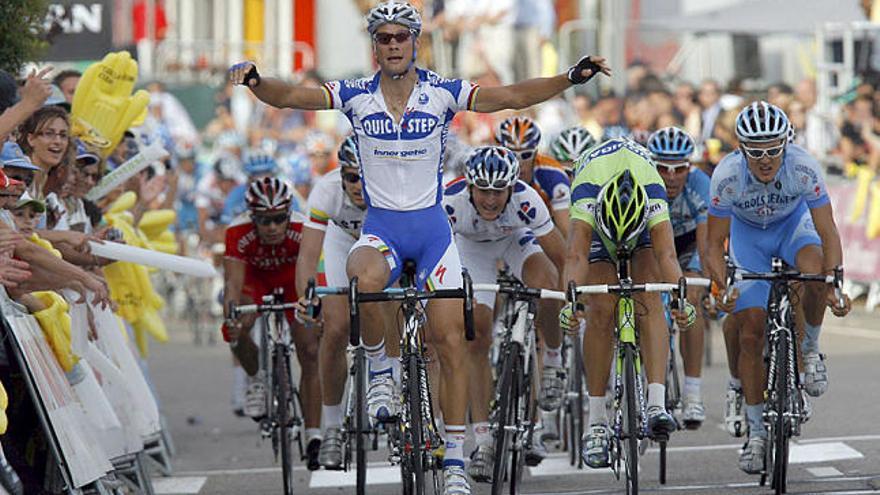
[(77, 240), (13, 272), (150, 189), (99, 288), (9, 239), (37, 88)]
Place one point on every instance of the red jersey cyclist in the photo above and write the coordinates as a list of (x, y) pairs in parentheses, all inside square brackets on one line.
[(262, 246)]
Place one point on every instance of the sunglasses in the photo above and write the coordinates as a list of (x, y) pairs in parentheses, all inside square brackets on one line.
[(525, 154), (351, 177), (670, 168), (266, 220), (498, 185), (758, 153), (385, 38), (26, 178)]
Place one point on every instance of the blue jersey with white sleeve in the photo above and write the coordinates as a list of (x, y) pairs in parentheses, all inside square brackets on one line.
[(401, 161), (736, 192), (690, 207)]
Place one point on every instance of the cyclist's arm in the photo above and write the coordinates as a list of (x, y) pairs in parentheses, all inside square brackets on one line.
[(663, 242), (520, 95), (577, 261), (553, 245), (307, 259), (702, 241), (832, 251), (282, 94), (561, 220), (717, 230), (233, 282)]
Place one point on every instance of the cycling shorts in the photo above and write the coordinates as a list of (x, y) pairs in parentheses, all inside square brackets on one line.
[(480, 259), (598, 251), (423, 236), (752, 248), (331, 267)]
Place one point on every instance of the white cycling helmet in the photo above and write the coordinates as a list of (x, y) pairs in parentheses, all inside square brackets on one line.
[(492, 167), (761, 122), (268, 194), (394, 13)]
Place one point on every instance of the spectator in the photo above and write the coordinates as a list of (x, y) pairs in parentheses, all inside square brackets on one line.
[(67, 80), (687, 109), (781, 95), (709, 98), (858, 144), (583, 108), (14, 111), (45, 138), (529, 37)]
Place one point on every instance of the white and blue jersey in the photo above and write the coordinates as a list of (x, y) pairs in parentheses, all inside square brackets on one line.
[(401, 161), (401, 171), (767, 220), (686, 211)]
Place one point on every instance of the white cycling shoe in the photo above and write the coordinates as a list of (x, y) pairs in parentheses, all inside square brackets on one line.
[(455, 481), (734, 419), (751, 459), (255, 399), (382, 398), (815, 374)]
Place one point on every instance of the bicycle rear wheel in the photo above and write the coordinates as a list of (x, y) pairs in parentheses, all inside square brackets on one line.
[(504, 416), (522, 418), (413, 439), (575, 409), (283, 396), (632, 420), (780, 432)]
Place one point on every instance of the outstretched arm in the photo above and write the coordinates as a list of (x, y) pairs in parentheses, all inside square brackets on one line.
[(532, 91), (276, 92)]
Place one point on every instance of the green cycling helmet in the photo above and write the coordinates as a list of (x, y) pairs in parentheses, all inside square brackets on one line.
[(622, 210)]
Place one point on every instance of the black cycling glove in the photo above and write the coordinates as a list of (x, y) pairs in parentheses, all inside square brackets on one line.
[(574, 72)]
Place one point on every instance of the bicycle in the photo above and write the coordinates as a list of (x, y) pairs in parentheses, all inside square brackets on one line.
[(784, 404), (283, 421), (512, 423), (573, 409), (416, 435), (629, 409)]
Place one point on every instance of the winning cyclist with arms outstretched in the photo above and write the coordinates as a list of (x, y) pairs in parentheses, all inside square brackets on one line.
[(400, 117)]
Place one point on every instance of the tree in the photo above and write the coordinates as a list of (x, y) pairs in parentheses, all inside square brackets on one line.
[(22, 33)]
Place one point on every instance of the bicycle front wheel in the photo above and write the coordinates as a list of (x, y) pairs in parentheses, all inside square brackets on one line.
[(283, 397), (413, 438), (632, 420), (360, 422), (780, 432), (575, 409), (504, 416)]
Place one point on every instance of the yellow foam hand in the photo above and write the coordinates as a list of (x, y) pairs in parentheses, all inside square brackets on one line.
[(55, 322), (103, 106), (872, 229), (124, 202), (155, 222), (4, 397)]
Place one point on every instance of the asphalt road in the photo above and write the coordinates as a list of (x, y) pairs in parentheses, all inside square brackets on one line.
[(839, 451)]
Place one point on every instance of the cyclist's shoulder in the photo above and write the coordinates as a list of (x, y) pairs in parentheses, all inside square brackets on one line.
[(549, 171), (350, 88), (434, 80), (329, 183), (729, 170), (455, 187), (801, 161), (697, 179), (523, 190)]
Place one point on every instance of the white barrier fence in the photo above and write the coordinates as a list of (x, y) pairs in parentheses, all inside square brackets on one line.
[(102, 414)]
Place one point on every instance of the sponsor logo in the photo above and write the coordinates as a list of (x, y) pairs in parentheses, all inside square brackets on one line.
[(423, 99), (400, 153), (440, 273), (817, 191), (356, 83), (332, 85)]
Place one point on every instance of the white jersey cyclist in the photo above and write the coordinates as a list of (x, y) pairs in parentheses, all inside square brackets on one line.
[(510, 237), (402, 160)]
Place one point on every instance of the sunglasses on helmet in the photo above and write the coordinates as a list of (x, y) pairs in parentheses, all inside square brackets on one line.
[(758, 153), (266, 220), (385, 38)]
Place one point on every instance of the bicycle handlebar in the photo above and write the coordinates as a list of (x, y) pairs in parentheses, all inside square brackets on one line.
[(516, 290), (778, 273)]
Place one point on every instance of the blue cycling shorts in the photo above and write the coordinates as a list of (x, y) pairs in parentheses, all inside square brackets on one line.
[(752, 248), (423, 236)]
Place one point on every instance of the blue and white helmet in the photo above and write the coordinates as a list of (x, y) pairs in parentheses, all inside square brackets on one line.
[(492, 167), (348, 153), (670, 143), (761, 122), (394, 13), (259, 163), (299, 170)]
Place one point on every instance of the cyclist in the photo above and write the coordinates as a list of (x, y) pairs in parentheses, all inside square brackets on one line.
[(336, 213), (261, 251), (257, 164), (522, 135), (687, 191), (619, 201), (496, 216), (769, 197), (569, 145), (400, 117)]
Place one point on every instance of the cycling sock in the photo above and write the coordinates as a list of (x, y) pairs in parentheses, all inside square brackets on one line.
[(735, 383), (657, 395), (692, 386), (454, 455), (553, 357), (755, 417), (379, 361), (313, 433), (239, 386), (482, 433), (332, 415), (598, 415), (811, 338), (395, 369)]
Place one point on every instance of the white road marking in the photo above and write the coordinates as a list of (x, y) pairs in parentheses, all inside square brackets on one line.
[(387, 475), (865, 333), (822, 452), (178, 485), (824, 471), (555, 466)]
